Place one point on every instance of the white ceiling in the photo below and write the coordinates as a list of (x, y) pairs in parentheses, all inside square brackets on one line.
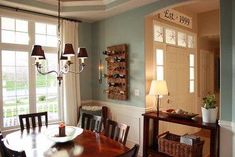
[(93, 10), (85, 10)]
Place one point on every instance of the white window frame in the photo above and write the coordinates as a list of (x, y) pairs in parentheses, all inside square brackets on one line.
[(32, 71)]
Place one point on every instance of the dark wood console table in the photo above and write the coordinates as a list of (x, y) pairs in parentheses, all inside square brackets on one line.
[(196, 122)]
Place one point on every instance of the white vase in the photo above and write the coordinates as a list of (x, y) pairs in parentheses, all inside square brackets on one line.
[(209, 115)]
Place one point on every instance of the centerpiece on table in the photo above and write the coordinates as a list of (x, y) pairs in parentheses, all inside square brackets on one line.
[(209, 109), (62, 130)]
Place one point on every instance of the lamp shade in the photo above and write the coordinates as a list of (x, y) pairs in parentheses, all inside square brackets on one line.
[(82, 53), (158, 87), (68, 50), (43, 57), (37, 51), (63, 57)]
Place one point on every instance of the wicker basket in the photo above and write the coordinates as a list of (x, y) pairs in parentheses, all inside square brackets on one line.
[(170, 144)]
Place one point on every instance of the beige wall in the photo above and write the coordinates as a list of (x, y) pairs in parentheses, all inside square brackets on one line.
[(208, 23)]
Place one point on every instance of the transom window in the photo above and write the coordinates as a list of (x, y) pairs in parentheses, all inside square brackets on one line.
[(172, 36), (14, 31), (23, 89)]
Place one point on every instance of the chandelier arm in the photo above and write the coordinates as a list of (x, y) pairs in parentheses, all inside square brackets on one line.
[(45, 73), (81, 69)]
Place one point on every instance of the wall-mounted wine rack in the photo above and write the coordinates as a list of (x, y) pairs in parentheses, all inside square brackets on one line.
[(117, 72)]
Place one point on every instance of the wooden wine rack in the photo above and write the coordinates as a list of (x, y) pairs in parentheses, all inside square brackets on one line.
[(117, 65)]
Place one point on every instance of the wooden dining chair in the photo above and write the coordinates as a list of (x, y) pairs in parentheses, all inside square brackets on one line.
[(91, 122), (116, 131), (133, 152), (2, 148), (33, 117)]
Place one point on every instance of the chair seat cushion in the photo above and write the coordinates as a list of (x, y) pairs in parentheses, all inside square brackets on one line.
[(93, 110)]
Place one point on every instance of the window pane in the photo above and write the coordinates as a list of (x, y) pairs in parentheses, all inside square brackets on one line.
[(159, 56), (191, 86), (191, 74), (181, 39), (190, 41), (22, 38), (8, 23), (21, 26), (15, 87), (47, 90), (160, 73), (40, 28), (51, 30), (51, 41), (40, 40), (170, 36), (158, 33), (8, 58), (8, 36), (191, 60), (22, 58)]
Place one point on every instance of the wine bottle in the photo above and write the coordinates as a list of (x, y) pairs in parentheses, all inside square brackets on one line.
[(114, 84), (109, 52), (114, 76), (118, 59)]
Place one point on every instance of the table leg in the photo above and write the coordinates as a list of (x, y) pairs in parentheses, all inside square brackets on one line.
[(213, 149), (146, 137), (155, 133)]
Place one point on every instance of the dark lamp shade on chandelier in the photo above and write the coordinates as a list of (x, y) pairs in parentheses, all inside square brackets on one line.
[(43, 57), (68, 50), (82, 53), (63, 57), (37, 51)]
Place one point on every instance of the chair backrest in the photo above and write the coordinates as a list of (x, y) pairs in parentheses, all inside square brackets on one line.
[(116, 131), (7, 151), (2, 148), (91, 122), (133, 152), (33, 117)]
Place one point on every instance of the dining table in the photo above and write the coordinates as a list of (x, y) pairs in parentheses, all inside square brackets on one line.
[(36, 143)]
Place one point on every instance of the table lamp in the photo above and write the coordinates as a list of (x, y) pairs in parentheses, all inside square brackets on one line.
[(158, 88)]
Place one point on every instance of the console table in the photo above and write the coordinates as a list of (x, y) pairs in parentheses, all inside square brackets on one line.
[(195, 122)]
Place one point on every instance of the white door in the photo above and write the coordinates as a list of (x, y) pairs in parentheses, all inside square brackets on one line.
[(177, 75)]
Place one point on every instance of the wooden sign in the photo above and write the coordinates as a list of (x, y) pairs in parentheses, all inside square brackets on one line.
[(176, 17)]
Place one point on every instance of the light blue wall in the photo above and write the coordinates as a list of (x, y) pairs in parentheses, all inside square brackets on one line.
[(125, 28), (233, 47), (226, 59), (85, 40)]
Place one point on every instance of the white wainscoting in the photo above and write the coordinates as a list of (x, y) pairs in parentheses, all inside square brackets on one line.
[(130, 115), (227, 139)]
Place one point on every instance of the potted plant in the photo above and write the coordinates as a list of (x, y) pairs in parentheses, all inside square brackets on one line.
[(209, 109)]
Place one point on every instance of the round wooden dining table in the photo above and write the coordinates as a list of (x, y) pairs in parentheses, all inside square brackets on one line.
[(35, 143)]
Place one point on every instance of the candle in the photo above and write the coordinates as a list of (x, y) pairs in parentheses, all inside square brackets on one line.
[(62, 130)]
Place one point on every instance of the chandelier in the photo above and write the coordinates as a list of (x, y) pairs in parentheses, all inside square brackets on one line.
[(38, 54)]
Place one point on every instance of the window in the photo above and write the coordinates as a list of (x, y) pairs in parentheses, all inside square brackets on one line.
[(46, 34), (46, 89), (167, 35), (158, 33), (15, 80), (160, 64), (170, 36), (14, 31), (190, 41), (182, 39), (19, 87), (191, 73)]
